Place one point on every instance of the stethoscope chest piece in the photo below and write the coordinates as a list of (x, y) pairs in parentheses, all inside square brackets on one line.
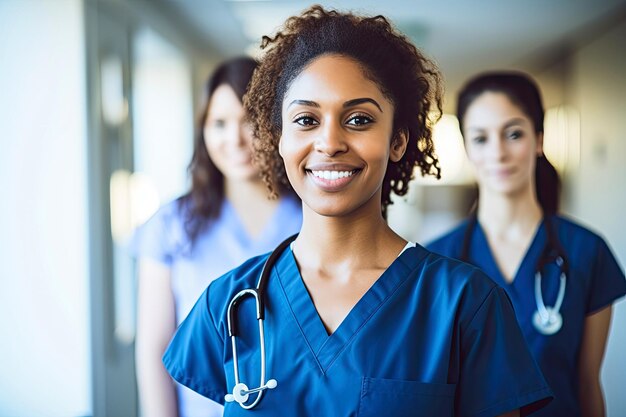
[(548, 320), (240, 393), (548, 323)]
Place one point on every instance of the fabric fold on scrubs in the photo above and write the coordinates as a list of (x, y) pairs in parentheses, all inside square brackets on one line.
[(594, 282), (432, 336)]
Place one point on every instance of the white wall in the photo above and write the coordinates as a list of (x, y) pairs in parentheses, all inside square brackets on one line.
[(44, 322), (162, 113), (598, 89)]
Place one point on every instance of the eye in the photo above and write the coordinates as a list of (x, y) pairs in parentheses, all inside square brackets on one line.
[(306, 121), (480, 139), (218, 123), (359, 120), (515, 134)]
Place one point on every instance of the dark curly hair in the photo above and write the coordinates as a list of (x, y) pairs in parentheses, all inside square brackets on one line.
[(409, 79)]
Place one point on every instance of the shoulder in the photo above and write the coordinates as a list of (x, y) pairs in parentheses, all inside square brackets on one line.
[(167, 213), (221, 290), (455, 271), (160, 234), (450, 244), (573, 229), (577, 238), (453, 282)]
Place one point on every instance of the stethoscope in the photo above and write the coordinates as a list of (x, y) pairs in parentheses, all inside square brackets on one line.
[(547, 320), (241, 392)]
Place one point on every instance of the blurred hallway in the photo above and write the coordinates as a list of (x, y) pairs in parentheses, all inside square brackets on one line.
[(97, 103)]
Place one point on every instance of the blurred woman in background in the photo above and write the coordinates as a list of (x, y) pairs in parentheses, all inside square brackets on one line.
[(561, 277), (224, 219)]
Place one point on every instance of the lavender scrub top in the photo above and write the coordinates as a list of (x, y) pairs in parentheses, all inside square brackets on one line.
[(220, 247)]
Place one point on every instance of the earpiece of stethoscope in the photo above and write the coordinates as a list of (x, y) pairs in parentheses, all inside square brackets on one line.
[(241, 391), (548, 320)]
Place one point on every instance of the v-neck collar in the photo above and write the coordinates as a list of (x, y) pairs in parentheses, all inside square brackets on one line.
[(491, 267), (239, 231), (324, 347)]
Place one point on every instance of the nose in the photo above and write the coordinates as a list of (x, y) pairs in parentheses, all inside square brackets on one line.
[(331, 140), (242, 134), (497, 148)]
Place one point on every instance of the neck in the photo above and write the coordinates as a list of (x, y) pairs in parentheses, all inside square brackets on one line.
[(242, 193), (358, 240), (251, 203), (501, 214)]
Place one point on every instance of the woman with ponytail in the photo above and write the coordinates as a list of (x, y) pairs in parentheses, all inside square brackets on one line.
[(562, 278)]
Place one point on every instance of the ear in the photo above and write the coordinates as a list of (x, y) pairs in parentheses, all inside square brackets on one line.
[(540, 144), (398, 145), (280, 147)]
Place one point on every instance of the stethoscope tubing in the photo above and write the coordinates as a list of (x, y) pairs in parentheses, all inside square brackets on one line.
[(550, 319), (241, 391)]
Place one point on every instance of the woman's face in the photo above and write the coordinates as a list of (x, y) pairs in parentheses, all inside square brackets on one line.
[(501, 144), (336, 137), (227, 137)]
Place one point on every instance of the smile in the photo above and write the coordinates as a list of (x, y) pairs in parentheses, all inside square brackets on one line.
[(332, 175), (332, 180)]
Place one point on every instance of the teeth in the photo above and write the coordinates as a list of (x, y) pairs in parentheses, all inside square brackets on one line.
[(332, 175)]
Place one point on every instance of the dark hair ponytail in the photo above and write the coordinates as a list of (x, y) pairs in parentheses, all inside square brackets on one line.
[(547, 186), (523, 92)]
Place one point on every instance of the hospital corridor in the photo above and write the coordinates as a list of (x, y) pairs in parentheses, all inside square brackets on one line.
[(140, 140)]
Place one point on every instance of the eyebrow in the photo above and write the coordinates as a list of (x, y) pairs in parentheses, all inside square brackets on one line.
[(308, 103), (515, 121), (349, 103), (512, 122), (358, 101)]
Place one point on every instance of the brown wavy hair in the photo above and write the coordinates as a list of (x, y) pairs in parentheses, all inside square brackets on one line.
[(202, 203), (411, 81)]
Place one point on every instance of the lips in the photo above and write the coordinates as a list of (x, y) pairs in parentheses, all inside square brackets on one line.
[(332, 177), (502, 172)]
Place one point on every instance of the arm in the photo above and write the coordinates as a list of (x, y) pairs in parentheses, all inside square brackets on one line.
[(590, 361), (156, 322)]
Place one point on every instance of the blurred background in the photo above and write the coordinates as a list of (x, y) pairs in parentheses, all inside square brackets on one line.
[(97, 103)]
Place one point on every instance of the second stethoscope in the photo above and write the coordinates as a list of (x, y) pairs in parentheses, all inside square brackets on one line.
[(547, 320), (241, 392)]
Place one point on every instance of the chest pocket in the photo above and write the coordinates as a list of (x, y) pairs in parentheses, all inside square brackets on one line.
[(398, 398)]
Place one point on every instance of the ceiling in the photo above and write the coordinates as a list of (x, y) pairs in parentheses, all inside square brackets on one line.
[(463, 36)]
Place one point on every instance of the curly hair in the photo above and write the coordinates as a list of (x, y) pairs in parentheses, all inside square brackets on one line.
[(405, 76)]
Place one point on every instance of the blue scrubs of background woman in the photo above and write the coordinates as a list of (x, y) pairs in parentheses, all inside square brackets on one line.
[(501, 117), (224, 219), (358, 322)]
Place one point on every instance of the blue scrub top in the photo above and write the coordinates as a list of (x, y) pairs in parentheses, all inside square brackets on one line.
[(595, 281), (432, 336), (219, 247)]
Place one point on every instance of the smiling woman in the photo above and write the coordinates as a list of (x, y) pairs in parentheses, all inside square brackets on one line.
[(402, 74), (332, 144), (357, 321)]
